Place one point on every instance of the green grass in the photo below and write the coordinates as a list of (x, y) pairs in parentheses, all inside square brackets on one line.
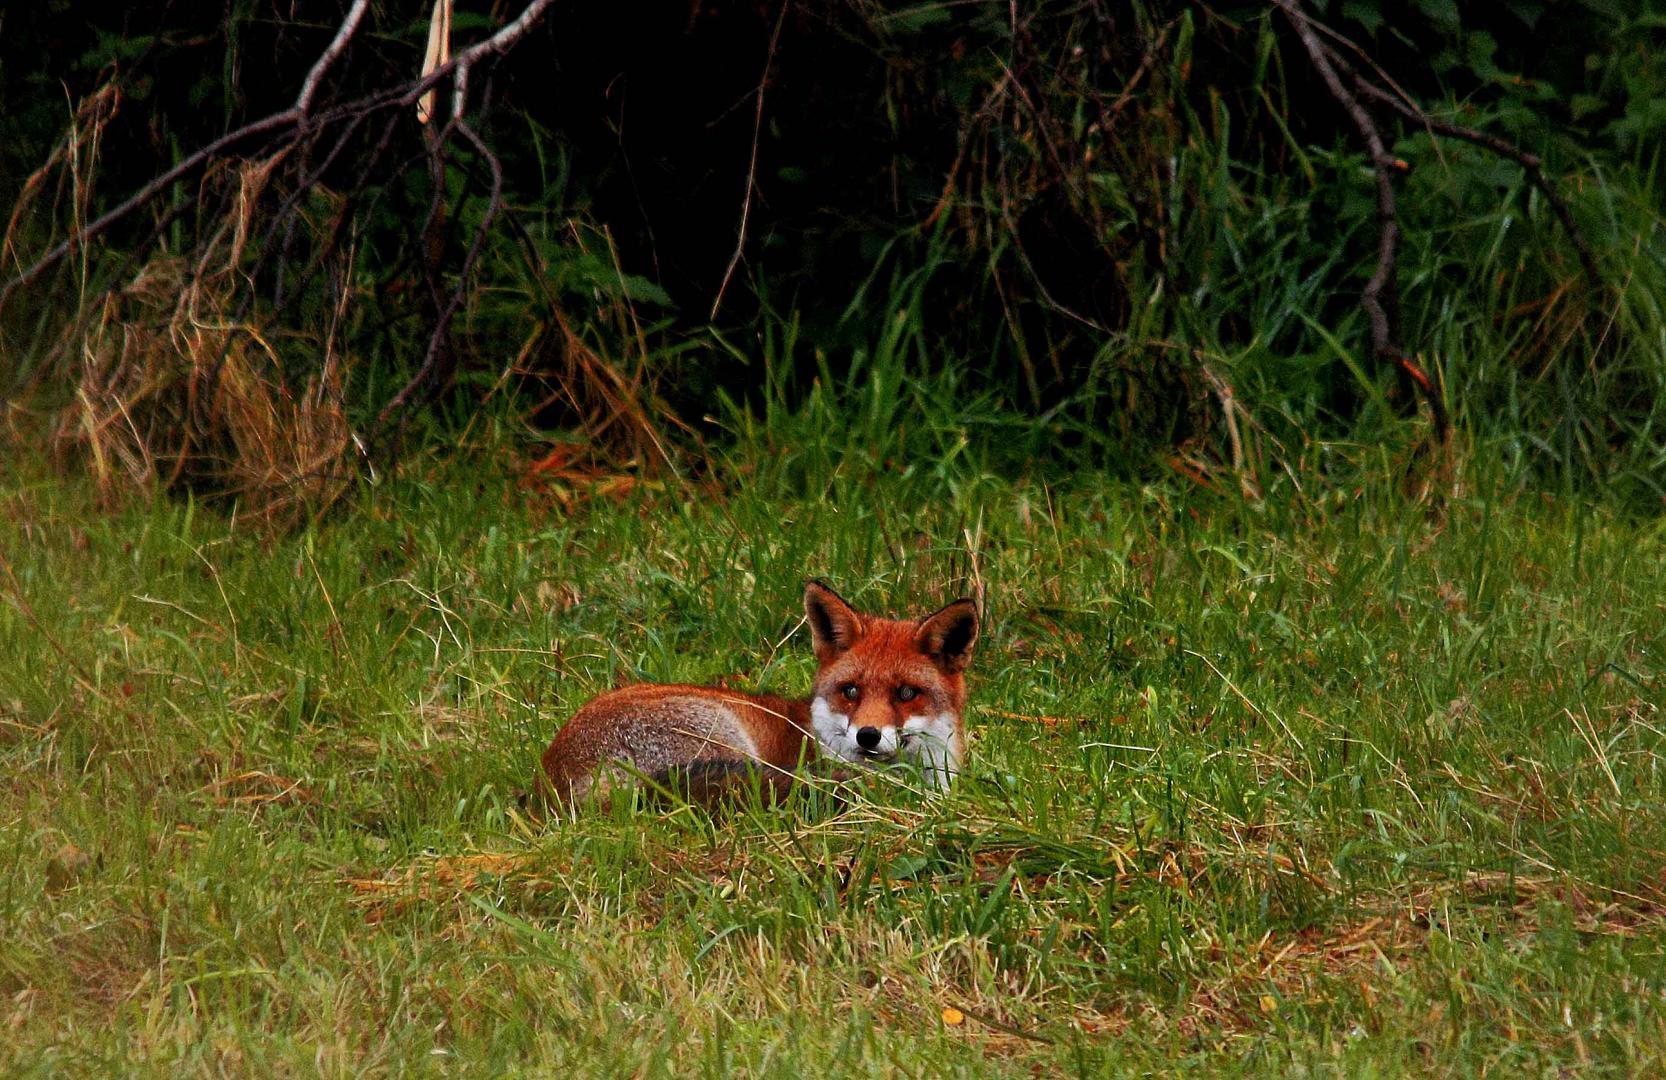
[(1333, 781)]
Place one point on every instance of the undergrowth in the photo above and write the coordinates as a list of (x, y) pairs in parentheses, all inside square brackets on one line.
[(1123, 236)]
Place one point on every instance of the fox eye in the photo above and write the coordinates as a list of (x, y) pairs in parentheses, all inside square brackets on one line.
[(850, 691), (907, 693)]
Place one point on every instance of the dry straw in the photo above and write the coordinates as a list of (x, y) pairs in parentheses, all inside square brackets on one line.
[(171, 389)]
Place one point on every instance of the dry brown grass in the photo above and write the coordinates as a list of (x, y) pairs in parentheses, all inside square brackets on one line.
[(155, 381), (171, 390)]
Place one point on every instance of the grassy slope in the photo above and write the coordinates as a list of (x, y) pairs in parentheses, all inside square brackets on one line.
[(1326, 780)]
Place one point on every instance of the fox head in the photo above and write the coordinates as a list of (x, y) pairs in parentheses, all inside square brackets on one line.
[(890, 691)]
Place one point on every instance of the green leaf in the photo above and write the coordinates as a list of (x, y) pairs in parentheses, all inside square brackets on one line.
[(1583, 105), (1443, 13), (1528, 11), (1480, 47), (1368, 13)]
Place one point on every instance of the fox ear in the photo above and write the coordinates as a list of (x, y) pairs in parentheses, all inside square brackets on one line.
[(834, 625), (948, 635)]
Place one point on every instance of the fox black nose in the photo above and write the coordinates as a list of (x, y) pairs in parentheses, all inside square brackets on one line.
[(867, 738)]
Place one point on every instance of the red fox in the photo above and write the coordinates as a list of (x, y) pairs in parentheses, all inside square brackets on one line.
[(887, 692)]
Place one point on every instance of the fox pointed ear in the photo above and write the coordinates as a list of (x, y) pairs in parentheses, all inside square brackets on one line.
[(834, 625), (948, 635)]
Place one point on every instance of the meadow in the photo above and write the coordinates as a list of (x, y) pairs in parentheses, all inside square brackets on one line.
[(1331, 781)]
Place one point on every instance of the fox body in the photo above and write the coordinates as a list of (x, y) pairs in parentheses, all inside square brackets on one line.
[(887, 692)]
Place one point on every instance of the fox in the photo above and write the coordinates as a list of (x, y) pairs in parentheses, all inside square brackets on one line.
[(887, 693)]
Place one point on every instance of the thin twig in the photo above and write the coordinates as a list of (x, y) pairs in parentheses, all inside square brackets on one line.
[(1229, 413), (431, 376), (752, 165), (92, 230)]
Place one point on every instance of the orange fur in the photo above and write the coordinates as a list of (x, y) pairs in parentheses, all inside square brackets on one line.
[(887, 691)]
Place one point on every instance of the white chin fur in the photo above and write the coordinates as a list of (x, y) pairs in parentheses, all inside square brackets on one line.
[(933, 744)]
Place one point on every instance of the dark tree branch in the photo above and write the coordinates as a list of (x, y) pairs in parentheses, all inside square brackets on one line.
[(319, 132), (1397, 99), (1530, 163), (96, 228), (1381, 296)]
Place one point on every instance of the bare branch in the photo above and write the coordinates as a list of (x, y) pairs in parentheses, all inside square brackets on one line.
[(752, 165), (92, 230), (309, 86), (1402, 103), (1380, 296), (285, 125)]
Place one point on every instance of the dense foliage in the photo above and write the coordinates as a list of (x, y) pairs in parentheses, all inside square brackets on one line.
[(1121, 225)]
